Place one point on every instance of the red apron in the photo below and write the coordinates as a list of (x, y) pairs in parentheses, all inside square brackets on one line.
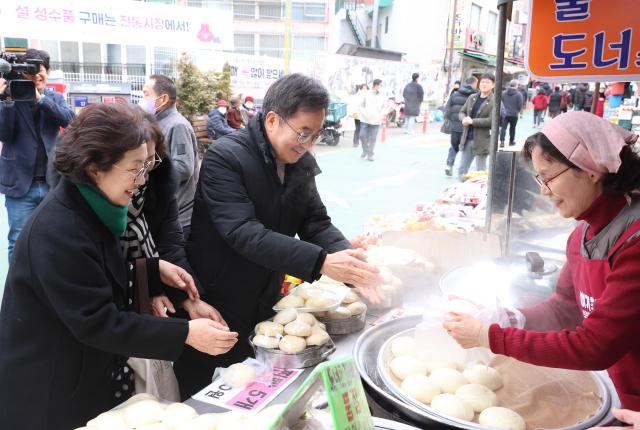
[(589, 280)]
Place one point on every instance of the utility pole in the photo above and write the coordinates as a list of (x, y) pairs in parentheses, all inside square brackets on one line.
[(287, 35), (374, 23), (451, 46)]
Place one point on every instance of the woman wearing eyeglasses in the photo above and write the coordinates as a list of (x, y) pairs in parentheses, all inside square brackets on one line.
[(66, 322), (588, 168)]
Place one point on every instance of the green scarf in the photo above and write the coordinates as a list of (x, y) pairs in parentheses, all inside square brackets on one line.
[(113, 216)]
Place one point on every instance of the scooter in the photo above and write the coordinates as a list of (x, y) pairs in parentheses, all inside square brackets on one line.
[(330, 133), (396, 114)]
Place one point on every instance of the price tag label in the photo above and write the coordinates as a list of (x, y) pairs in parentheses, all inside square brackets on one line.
[(254, 397)]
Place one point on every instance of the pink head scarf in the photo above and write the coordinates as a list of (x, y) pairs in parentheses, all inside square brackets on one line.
[(588, 141)]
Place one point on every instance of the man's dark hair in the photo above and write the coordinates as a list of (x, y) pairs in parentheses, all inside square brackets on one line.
[(295, 92), (415, 76), (36, 54), (100, 135), (489, 76), (471, 80), (164, 85), (377, 82), (556, 89)]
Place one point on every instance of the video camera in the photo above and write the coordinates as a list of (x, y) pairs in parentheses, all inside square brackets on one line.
[(19, 89)]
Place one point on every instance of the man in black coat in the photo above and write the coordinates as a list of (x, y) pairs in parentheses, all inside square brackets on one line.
[(454, 104), (413, 95), (256, 192)]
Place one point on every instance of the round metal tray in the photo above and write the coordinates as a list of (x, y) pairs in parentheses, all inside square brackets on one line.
[(344, 326), (366, 354), (311, 356)]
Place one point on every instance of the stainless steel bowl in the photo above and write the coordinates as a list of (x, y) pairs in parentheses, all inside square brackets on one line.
[(344, 326), (311, 356), (366, 353)]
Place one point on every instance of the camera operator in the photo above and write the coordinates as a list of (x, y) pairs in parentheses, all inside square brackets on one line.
[(28, 131)]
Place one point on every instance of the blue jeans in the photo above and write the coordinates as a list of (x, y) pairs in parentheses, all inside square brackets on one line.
[(454, 148), (19, 210), (411, 122), (368, 136)]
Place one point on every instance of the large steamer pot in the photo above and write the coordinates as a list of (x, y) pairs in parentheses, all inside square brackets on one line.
[(367, 350), (518, 281)]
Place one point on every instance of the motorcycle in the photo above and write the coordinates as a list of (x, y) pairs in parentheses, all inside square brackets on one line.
[(331, 133), (395, 114)]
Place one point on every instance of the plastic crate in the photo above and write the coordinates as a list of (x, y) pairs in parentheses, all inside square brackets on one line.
[(336, 111)]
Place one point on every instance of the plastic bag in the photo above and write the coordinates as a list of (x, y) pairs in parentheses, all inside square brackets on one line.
[(230, 377)]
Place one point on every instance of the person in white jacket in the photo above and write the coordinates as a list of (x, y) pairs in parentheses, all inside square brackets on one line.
[(372, 111)]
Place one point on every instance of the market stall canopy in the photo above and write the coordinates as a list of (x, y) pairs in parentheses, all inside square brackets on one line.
[(582, 41)]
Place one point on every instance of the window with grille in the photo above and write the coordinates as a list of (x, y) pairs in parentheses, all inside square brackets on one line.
[(305, 47), (271, 45), (270, 10), (164, 60), (492, 26), (244, 43), (476, 11), (244, 9), (308, 11), (51, 46)]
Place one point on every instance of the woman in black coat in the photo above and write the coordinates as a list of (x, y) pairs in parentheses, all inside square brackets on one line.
[(66, 323)]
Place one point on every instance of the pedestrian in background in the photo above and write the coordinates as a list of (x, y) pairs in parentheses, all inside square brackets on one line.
[(512, 102), (413, 95), (525, 97), (217, 125), (28, 131), (451, 112), (357, 101), (540, 102), (475, 116), (456, 87), (248, 108), (180, 139), (555, 103), (234, 115), (371, 112)]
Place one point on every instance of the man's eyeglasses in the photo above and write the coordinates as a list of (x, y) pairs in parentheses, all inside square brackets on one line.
[(544, 183), (304, 139)]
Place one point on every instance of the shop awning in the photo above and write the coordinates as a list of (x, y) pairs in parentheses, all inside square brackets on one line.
[(479, 56)]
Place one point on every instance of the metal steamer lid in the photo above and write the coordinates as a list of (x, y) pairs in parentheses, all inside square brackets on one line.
[(515, 281)]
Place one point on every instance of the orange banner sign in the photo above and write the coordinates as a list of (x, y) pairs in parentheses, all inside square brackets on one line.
[(584, 40)]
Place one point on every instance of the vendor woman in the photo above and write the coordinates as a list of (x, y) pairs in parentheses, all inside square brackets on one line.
[(588, 168)]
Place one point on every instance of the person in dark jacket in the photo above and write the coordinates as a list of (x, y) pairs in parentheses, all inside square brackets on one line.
[(451, 111), (257, 192), (413, 95), (217, 124), (66, 319), (28, 131), (555, 103), (153, 230), (525, 97), (581, 93), (512, 102), (475, 116), (456, 87)]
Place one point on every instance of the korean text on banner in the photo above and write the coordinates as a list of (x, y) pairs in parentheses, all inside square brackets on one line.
[(584, 40)]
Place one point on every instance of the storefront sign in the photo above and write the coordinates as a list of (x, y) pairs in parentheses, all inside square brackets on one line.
[(118, 21), (80, 101), (253, 398), (475, 40), (584, 40)]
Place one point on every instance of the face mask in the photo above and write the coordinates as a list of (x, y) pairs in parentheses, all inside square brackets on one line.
[(249, 105), (222, 110), (148, 105)]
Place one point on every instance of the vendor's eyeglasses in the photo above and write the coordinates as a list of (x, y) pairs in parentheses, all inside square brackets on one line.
[(544, 183), (304, 139)]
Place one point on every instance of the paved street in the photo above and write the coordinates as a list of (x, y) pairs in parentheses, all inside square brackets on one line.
[(407, 169)]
